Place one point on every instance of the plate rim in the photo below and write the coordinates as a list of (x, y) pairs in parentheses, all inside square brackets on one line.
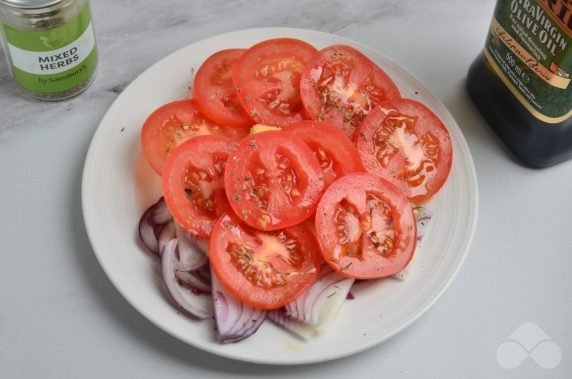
[(436, 295)]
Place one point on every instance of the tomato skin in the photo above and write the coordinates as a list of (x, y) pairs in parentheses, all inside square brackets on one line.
[(197, 165), (172, 124), (273, 180), (406, 143), (214, 90), (336, 153), (342, 85), (266, 270), (365, 227), (267, 79)]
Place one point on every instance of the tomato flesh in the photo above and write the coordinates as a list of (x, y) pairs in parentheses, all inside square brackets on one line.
[(174, 123), (336, 153), (193, 182), (365, 227), (404, 142), (273, 180), (342, 85), (267, 78), (263, 269), (215, 93)]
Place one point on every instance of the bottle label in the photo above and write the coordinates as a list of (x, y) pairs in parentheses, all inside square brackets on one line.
[(54, 60), (529, 46)]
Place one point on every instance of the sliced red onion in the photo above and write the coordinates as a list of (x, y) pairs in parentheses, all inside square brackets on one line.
[(202, 244), (197, 305), (326, 308), (204, 273), (167, 234), (235, 320), (307, 306), (279, 317), (191, 279), (191, 257), (151, 224), (422, 216)]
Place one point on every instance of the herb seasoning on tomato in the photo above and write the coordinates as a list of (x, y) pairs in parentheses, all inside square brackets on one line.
[(273, 180), (267, 78), (193, 182), (342, 85), (264, 269), (174, 123), (215, 93), (336, 153), (406, 143), (366, 227)]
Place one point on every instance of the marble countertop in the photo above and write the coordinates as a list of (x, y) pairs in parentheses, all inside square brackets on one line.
[(61, 317)]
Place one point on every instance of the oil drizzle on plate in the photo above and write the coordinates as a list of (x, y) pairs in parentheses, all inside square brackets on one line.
[(293, 347)]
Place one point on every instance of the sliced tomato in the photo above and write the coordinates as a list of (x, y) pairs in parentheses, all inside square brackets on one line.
[(263, 269), (267, 78), (342, 85), (406, 143), (336, 153), (365, 227), (193, 182), (172, 124), (215, 93), (273, 180)]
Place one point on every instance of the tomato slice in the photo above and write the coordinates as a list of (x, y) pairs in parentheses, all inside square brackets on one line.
[(263, 269), (172, 124), (273, 180), (193, 182), (336, 153), (267, 78), (406, 143), (215, 93), (342, 85), (365, 227)]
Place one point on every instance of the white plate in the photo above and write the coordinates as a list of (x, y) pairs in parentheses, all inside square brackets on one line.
[(118, 186)]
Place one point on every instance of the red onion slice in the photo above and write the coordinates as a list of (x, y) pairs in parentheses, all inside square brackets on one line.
[(191, 256), (167, 234), (204, 273), (422, 216), (307, 306), (235, 320), (325, 306), (191, 279), (151, 224), (279, 317), (197, 305)]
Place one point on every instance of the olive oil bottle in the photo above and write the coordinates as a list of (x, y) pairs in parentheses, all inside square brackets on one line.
[(521, 81)]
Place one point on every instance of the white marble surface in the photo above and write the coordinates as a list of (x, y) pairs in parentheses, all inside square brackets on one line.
[(60, 317)]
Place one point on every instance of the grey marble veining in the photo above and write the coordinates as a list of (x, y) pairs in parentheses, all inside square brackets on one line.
[(132, 35)]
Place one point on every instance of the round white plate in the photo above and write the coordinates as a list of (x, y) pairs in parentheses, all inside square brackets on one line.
[(118, 186)]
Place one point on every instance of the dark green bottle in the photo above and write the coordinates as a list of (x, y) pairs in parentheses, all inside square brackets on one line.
[(521, 83)]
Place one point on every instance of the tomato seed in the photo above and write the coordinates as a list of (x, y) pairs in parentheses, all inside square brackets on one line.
[(264, 221)]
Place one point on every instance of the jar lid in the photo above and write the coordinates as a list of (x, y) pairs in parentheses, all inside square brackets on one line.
[(29, 4)]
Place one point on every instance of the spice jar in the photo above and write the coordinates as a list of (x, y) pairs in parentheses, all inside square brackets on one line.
[(50, 46)]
